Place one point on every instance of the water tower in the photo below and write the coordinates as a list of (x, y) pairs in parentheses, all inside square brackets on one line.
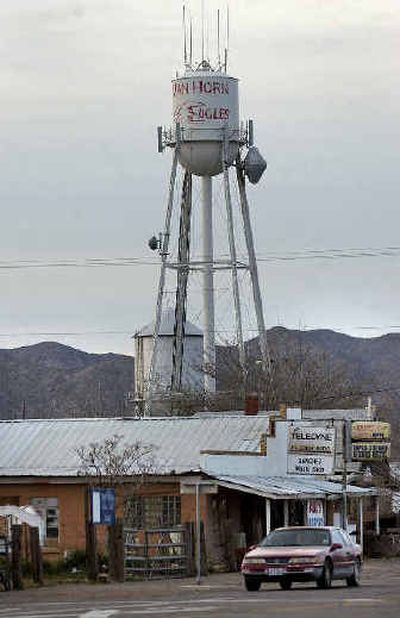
[(207, 140)]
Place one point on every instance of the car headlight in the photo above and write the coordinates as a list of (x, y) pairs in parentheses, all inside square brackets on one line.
[(254, 561), (304, 560)]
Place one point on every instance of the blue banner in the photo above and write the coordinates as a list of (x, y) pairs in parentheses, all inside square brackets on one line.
[(103, 505)]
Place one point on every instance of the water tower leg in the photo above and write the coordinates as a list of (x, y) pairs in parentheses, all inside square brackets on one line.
[(151, 378), (244, 204), (208, 287), (181, 285), (235, 282)]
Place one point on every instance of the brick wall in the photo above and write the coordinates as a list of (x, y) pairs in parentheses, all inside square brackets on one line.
[(71, 507), (71, 504)]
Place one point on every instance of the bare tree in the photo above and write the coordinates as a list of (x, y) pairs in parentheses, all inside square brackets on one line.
[(112, 462), (300, 375)]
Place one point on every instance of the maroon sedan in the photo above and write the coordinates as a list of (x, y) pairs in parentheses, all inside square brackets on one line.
[(302, 554)]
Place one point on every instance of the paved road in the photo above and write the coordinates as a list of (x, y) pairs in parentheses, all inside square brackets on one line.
[(219, 596)]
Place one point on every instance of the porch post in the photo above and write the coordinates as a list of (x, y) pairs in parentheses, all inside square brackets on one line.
[(286, 512), (377, 517), (267, 516), (361, 520), (198, 532)]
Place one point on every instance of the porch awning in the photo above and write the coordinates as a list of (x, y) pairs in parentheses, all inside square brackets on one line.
[(285, 487)]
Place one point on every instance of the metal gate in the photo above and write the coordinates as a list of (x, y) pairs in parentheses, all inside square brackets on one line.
[(157, 552)]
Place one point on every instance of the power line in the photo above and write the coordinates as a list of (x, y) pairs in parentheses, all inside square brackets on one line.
[(331, 254), (129, 261), (66, 333), (363, 393), (216, 331)]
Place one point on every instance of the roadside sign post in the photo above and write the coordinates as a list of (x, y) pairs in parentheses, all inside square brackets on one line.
[(369, 441), (346, 449), (198, 487), (361, 519)]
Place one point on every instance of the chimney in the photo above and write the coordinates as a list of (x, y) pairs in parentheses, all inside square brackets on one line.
[(251, 405)]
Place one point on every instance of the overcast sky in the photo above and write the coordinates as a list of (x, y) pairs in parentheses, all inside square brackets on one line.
[(85, 84)]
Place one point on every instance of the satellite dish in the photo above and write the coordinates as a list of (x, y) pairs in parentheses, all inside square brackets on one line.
[(254, 165)]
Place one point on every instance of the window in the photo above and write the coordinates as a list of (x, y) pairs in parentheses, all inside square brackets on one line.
[(49, 512), (337, 537), (296, 538), (346, 538), (144, 512)]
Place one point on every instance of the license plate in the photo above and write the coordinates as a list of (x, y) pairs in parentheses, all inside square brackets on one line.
[(275, 571)]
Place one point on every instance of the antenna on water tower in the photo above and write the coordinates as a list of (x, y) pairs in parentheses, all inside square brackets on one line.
[(207, 140), (218, 39), (227, 37), (184, 37), (202, 31)]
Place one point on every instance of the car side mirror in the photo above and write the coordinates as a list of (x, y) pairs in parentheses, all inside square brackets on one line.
[(251, 547), (336, 546)]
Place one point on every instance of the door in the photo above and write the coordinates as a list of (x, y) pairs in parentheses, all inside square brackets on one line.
[(339, 556), (349, 552)]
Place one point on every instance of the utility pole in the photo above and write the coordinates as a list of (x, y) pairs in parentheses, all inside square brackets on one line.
[(346, 451), (198, 532)]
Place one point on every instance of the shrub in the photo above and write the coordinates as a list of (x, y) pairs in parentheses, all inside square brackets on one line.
[(75, 559), (52, 567)]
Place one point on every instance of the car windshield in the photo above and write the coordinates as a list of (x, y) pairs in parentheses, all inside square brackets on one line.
[(301, 537)]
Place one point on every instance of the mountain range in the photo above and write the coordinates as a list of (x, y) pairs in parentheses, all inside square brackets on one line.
[(319, 368)]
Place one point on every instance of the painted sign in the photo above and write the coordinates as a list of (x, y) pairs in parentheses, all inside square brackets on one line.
[(305, 439), (310, 464), (315, 513), (370, 451), (205, 102), (370, 430)]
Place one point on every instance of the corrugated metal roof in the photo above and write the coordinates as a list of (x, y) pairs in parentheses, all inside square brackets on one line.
[(288, 486), (353, 414), (46, 447), (395, 469), (167, 327), (396, 502)]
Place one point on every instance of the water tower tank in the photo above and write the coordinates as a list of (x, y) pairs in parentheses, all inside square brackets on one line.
[(193, 375), (206, 106)]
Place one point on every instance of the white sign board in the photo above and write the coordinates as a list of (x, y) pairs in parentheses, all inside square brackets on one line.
[(310, 464), (306, 439), (204, 488), (311, 450)]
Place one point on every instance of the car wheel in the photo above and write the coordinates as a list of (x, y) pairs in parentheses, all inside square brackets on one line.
[(252, 584), (285, 584), (354, 579), (325, 580)]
